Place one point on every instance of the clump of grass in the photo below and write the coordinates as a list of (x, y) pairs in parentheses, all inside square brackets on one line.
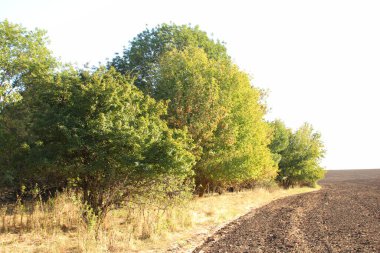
[(56, 214)]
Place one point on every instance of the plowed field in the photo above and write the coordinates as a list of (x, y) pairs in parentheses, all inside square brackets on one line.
[(344, 216)]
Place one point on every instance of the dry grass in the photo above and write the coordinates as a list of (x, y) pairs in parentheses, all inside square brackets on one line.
[(56, 226)]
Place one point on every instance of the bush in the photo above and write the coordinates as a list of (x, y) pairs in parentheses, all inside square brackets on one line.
[(101, 134), (299, 164)]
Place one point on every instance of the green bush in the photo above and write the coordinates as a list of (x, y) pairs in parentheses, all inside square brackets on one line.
[(299, 164), (103, 135)]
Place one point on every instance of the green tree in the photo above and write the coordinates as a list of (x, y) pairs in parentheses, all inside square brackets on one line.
[(25, 61), (142, 57), (101, 132), (240, 152), (280, 139), (300, 161), (214, 100), (24, 58), (188, 79), (209, 96)]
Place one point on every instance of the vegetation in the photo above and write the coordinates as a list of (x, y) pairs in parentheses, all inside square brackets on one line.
[(300, 160), (56, 225), (106, 137), (208, 98), (170, 117), (208, 95), (24, 59), (141, 58), (298, 155), (280, 139)]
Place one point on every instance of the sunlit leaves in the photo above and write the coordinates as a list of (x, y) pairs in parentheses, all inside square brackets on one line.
[(141, 58), (300, 160), (208, 95), (105, 133), (24, 58)]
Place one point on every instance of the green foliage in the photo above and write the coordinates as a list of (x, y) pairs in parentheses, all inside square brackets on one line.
[(214, 100), (209, 96), (189, 80), (102, 133), (24, 61), (280, 139), (96, 131), (240, 152), (13, 133), (300, 159), (24, 58), (143, 55)]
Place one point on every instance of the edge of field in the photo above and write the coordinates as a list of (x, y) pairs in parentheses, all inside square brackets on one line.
[(183, 229), (211, 213)]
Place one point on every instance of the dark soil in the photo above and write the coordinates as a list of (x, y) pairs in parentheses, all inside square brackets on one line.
[(344, 216)]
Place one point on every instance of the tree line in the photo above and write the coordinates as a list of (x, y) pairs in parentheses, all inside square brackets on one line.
[(171, 115)]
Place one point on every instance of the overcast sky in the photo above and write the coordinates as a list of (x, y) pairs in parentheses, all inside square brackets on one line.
[(320, 60)]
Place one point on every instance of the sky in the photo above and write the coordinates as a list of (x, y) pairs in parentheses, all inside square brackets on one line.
[(319, 60)]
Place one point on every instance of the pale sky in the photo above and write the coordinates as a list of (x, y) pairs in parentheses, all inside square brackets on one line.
[(319, 59)]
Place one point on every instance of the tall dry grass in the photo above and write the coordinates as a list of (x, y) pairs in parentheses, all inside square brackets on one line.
[(56, 225)]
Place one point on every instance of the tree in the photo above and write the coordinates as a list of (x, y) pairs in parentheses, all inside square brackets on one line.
[(25, 61), (24, 58), (141, 58), (280, 139), (188, 79), (300, 160), (100, 132), (209, 96), (214, 100), (240, 153)]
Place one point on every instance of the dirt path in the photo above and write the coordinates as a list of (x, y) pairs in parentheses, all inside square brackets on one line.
[(342, 217)]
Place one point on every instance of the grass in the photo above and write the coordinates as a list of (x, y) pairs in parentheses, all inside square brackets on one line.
[(56, 225)]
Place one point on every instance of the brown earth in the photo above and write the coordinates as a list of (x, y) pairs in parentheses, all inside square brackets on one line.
[(344, 216)]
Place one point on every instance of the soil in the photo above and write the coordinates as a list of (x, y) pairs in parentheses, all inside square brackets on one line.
[(344, 216)]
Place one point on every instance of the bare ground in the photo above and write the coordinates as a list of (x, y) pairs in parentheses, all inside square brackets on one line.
[(344, 216)]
